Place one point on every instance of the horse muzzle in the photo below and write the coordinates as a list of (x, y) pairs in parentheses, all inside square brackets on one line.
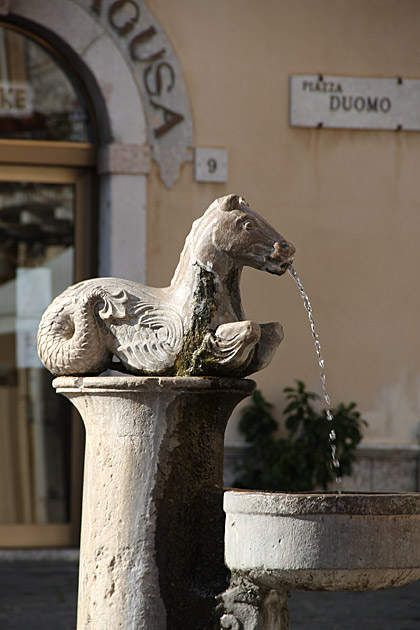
[(280, 258)]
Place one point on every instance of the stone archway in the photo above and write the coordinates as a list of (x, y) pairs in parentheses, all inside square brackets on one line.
[(139, 85)]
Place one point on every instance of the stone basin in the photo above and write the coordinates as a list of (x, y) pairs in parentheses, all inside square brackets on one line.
[(323, 541)]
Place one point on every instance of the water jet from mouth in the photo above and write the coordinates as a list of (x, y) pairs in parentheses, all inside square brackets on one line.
[(332, 435)]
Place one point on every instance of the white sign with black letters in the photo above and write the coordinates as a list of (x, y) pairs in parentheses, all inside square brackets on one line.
[(358, 103)]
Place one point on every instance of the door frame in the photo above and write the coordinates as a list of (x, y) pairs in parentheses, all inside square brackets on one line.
[(59, 163)]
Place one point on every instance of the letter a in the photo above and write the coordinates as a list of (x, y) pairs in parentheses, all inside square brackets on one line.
[(170, 117)]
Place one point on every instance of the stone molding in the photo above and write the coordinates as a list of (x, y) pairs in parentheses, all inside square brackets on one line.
[(124, 159)]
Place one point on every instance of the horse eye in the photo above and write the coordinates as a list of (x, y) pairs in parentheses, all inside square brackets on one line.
[(249, 225)]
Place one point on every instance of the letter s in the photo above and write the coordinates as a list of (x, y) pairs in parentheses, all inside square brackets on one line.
[(158, 78)]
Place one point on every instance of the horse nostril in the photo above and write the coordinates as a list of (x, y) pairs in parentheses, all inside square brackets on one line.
[(284, 246), (288, 248), (283, 249)]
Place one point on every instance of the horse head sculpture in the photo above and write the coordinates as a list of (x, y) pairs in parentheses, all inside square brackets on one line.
[(194, 327)]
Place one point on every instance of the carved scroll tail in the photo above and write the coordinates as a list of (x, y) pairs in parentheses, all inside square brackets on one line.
[(69, 336)]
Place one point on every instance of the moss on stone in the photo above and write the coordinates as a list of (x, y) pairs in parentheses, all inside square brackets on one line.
[(194, 359)]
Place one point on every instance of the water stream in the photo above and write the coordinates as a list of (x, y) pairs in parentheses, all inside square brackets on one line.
[(321, 363)]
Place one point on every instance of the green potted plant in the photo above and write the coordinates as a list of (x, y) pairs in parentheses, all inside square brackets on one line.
[(301, 460)]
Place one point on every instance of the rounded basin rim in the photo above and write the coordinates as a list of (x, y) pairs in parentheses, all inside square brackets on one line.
[(307, 503)]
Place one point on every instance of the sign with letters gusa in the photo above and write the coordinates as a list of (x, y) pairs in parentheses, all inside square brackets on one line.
[(354, 103)]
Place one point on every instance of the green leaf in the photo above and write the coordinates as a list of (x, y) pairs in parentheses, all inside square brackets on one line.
[(300, 461)]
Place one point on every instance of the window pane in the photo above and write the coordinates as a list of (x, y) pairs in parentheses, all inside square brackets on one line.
[(39, 100), (36, 264)]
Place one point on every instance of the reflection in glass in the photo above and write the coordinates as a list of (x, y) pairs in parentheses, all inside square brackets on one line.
[(39, 100), (36, 264)]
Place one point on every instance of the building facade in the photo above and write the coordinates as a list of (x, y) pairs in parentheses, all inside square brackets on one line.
[(121, 121)]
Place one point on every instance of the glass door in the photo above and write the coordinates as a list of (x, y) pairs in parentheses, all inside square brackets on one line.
[(47, 242), (41, 439)]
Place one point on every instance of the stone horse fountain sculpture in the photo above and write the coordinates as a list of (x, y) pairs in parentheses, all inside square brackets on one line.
[(194, 327), (152, 541)]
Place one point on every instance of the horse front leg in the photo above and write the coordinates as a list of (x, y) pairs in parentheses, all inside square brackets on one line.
[(232, 343), (271, 336)]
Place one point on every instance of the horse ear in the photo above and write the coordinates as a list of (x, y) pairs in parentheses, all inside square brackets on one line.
[(230, 202)]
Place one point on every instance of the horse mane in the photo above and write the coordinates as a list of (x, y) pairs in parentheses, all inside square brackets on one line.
[(200, 225)]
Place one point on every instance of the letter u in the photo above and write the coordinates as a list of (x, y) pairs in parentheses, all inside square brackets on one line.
[(347, 107)]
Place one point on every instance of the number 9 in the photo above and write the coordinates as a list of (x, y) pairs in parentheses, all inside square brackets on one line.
[(212, 165)]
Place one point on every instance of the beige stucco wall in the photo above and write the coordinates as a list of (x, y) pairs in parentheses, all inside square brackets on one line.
[(348, 200)]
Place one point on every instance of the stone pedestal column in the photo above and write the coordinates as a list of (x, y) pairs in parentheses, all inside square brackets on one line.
[(152, 521)]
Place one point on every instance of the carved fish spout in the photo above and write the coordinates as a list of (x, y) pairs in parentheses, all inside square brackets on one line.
[(196, 326)]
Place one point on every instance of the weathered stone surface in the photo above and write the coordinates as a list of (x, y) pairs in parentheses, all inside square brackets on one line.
[(128, 159), (247, 606), (194, 327), (152, 523), (323, 541)]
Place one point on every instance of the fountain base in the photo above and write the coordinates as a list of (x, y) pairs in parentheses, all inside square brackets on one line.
[(151, 553)]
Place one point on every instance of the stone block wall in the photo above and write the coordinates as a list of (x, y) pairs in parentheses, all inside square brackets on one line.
[(376, 469)]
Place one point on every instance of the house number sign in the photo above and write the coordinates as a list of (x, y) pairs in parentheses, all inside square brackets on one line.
[(357, 103), (159, 78), (210, 165)]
